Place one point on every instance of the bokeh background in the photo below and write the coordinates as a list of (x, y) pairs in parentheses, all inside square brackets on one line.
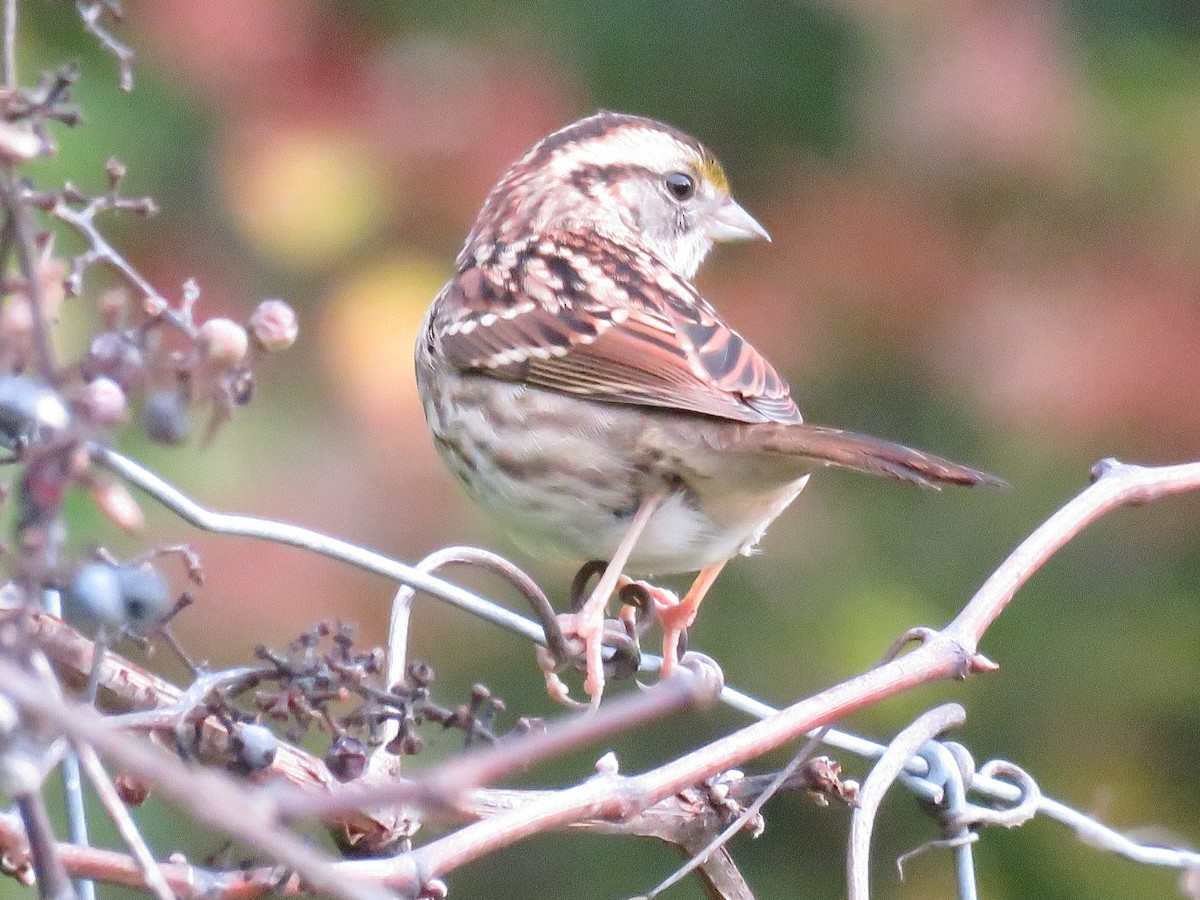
[(984, 219)]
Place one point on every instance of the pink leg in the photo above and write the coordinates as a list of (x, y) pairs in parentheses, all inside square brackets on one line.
[(588, 623), (677, 615)]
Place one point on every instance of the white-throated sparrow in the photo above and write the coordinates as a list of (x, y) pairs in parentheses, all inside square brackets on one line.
[(583, 391)]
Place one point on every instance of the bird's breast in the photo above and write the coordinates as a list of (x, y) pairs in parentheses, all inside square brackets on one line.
[(564, 476)]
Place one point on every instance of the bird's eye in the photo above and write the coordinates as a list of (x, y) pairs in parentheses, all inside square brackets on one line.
[(681, 185)]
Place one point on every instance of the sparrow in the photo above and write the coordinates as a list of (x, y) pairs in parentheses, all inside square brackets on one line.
[(587, 396)]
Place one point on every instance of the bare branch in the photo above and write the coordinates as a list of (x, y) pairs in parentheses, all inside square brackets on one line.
[(126, 827), (91, 11), (101, 251), (1115, 484), (306, 539)]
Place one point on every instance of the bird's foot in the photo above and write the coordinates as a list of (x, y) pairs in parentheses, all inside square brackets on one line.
[(557, 688), (676, 616), (588, 627)]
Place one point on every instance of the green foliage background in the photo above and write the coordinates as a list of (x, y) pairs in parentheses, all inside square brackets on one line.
[(984, 221)]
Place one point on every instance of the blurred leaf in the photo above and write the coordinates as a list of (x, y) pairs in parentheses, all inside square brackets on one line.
[(302, 198)]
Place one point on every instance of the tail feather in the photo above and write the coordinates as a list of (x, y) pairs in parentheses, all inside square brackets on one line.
[(863, 453)]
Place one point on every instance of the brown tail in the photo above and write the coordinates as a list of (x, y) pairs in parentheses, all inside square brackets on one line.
[(875, 456)]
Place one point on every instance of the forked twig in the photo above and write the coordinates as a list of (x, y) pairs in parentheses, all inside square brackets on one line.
[(91, 11)]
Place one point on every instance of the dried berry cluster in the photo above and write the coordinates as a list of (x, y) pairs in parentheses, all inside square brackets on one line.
[(323, 683), (150, 359)]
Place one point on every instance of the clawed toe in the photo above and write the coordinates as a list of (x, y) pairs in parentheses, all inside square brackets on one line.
[(557, 688), (589, 629)]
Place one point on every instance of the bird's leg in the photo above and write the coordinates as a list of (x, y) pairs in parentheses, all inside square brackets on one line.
[(588, 623), (677, 615)]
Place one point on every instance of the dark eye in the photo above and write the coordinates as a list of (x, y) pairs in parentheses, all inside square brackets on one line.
[(681, 185)]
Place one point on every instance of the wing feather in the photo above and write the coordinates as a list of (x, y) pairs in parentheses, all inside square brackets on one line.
[(580, 314)]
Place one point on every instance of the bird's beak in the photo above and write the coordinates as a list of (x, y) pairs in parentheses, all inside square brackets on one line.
[(732, 223)]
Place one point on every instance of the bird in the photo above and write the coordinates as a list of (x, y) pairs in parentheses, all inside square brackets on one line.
[(589, 398)]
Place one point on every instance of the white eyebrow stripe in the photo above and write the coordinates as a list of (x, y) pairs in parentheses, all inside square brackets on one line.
[(647, 147)]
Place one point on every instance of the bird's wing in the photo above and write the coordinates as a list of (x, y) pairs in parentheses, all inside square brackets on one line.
[(577, 313), (861, 452)]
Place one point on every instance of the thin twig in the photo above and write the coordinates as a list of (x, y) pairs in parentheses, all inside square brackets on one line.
[(126, 827), (1115, 484), (90, 11), (52, 880), (100, 250)]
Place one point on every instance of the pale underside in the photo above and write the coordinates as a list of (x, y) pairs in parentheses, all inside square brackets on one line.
[(570, 474)]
